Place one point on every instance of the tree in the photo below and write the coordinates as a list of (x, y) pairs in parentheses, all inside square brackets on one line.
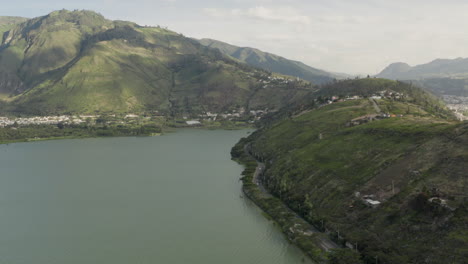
[(344, 256)]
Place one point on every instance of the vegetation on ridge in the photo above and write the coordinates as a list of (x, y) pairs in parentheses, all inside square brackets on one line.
[(329, 161), (272, 62)]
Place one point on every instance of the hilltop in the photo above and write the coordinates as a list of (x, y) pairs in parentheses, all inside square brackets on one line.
[(81, 62), (380, 164), (272, 62)]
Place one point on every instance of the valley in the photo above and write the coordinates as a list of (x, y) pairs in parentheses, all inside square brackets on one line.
[(348, 170)]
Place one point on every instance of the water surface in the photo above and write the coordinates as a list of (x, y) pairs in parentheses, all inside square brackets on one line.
[(169, 199)]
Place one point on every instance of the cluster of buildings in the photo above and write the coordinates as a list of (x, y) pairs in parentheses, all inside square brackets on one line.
[(42, 120), (233, 115), (369, 118), (458, 104), (387, 94), (275, 80), (128, 118), (368, 199)]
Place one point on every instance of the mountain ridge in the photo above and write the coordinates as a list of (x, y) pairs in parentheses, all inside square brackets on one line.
[(78, 61), (272, 62), (437, 68)]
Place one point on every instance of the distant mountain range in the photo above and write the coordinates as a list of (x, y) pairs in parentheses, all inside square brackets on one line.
[(441, 76), (439, 68), (81, 62), (272, 62)]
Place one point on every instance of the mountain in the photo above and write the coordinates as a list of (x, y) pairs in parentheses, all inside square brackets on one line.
[(7, 22), (441, 76), (271, 62), (81, 62), (439, 68), (394, 69), (386, 176)]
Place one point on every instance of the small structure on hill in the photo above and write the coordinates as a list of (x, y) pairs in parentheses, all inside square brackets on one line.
[(372, 203), (193, 122)]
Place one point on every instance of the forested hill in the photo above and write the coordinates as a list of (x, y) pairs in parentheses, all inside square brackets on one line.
[(380, 164), (81, 62), (271, 62)]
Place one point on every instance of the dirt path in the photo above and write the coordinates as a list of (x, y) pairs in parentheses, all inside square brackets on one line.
[(376, 106)]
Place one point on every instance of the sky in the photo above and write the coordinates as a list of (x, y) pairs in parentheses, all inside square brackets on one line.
[(349, 36)]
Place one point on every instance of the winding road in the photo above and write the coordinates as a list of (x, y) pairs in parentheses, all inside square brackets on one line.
[(324, 242)]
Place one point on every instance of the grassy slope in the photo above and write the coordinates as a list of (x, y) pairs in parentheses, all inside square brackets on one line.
[(423, 155), (8, 22), (80, 62), (271, 62), (8, 78)]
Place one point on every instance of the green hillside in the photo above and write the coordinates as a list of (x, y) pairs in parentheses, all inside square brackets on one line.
[(80, 62), (325, 160), (272, 62), (7, 22)]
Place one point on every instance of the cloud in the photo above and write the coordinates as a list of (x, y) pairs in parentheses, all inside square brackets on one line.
[(284, 14), (278, 14)]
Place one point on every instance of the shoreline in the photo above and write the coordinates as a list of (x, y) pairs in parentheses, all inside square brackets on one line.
[(305, 236), (38, 139), (94, 132)]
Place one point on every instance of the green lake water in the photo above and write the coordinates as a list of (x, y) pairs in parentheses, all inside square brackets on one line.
[(170, 199)]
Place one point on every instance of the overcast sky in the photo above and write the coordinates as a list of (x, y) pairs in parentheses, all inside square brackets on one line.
[(352, 36)]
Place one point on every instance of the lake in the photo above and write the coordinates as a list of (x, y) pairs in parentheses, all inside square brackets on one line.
[(170, 199)]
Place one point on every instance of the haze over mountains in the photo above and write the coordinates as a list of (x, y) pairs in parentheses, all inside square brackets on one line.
[(81, 62), (439, 68), (441, 76), (444, 77)]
